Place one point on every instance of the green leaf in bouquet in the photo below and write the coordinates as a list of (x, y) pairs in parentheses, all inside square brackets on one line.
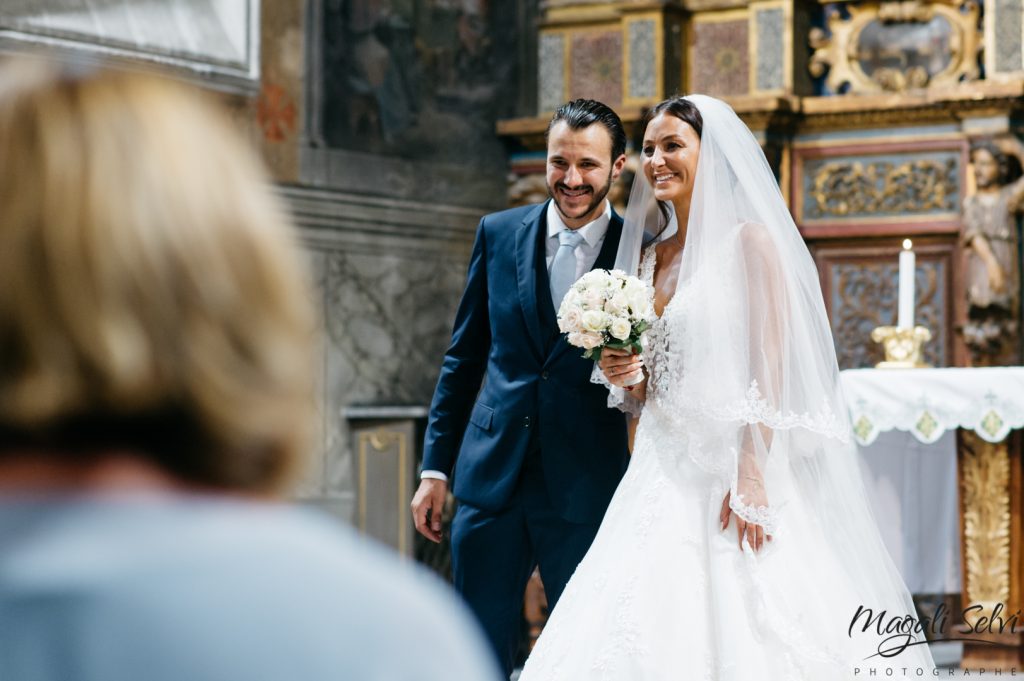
[(619, 345)]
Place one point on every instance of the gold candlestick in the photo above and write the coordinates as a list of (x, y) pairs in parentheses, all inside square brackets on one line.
[(903, 347)]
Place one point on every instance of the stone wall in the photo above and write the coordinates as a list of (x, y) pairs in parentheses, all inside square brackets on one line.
[(395, 161), (377, 122), (388, 274)]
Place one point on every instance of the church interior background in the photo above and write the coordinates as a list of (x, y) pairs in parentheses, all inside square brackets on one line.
[(391, 126)]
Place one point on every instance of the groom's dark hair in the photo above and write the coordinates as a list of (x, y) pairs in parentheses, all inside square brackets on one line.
[(582, 113)]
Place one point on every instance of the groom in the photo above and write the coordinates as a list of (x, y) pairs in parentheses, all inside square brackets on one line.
[(537, 454)]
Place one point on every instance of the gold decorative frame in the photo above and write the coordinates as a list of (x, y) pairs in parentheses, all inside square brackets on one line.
[(837, 53)]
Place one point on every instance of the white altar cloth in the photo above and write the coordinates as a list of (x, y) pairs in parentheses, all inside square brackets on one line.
[(928, 402), (905, 421)]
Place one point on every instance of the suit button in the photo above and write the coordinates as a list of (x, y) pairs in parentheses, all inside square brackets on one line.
[(526, 422), (544, 375)]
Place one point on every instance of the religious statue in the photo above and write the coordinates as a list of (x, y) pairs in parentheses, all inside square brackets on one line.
[(989, 237)]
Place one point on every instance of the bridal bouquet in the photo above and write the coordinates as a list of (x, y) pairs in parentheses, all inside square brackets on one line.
[(606, 309)]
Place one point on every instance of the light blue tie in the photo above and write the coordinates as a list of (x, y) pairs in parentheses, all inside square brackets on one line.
[(563, 267)]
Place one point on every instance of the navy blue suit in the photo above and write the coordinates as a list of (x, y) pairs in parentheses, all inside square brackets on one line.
[(535, 454)]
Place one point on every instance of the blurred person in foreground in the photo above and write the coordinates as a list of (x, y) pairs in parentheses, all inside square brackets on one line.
[(156, 383)]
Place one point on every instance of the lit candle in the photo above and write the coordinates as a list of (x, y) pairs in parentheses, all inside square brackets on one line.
[(905, 318)]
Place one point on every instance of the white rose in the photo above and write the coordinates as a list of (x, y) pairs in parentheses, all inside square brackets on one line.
[(620, 328), (639, 302), (594, 279), (590, 340), (570, 317), (617, 305), (634, 287), (594, 321), (593, 300)]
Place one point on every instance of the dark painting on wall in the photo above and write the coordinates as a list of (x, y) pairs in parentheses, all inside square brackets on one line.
[(419, 79)]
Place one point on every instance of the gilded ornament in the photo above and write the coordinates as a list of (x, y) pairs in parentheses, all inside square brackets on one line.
[(985, 494), (909, 10), (903, 349), (898, 46), (848, 188)]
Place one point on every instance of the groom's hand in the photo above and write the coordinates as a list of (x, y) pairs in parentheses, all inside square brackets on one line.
[(430, 497)]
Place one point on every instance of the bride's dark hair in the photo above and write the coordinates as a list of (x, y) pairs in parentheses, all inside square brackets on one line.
[(688, 113)]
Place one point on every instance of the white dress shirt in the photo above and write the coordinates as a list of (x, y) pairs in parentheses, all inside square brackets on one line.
[(593, 234), (593, 238)]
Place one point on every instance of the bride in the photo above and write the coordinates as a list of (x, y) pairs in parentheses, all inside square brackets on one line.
[(739, 545)]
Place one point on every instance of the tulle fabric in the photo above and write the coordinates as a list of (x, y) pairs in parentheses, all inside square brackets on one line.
[(664, 594), (743, 397), (749, 379)]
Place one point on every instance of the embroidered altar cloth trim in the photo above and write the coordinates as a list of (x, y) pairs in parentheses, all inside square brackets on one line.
[(928, 402)]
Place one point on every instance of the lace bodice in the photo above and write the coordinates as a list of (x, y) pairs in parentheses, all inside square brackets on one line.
[(661, 359)]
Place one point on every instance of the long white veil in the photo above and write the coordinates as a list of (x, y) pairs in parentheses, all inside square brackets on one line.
[(752, 383)]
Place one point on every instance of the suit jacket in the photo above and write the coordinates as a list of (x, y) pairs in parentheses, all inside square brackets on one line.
[(536, 387)]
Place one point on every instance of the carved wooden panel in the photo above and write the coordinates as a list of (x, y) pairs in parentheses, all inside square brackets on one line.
[(879, 187), (860, 285)]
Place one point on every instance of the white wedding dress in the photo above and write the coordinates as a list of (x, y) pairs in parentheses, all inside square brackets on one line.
[(664, 593), (743, 398)]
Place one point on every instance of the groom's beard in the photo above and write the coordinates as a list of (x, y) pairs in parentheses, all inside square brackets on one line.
[(597, 194)]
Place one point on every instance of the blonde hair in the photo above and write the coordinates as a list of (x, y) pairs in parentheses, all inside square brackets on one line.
[(151, 293)]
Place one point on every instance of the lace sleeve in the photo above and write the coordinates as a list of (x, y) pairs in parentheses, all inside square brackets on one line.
[(618, 398)]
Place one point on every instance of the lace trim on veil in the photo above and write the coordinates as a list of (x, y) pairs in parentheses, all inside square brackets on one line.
[(754, 408)]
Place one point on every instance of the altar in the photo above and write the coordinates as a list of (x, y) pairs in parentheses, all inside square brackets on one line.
[(940, 455)]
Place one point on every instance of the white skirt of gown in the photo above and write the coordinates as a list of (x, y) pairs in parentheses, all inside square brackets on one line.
[(665, 594)]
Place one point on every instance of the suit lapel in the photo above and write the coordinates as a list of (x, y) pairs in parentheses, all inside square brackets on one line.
[(527, 241), (605, 261)]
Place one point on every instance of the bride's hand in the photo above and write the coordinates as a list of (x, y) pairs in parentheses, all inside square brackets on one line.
[(620, 366), (755, 533)]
